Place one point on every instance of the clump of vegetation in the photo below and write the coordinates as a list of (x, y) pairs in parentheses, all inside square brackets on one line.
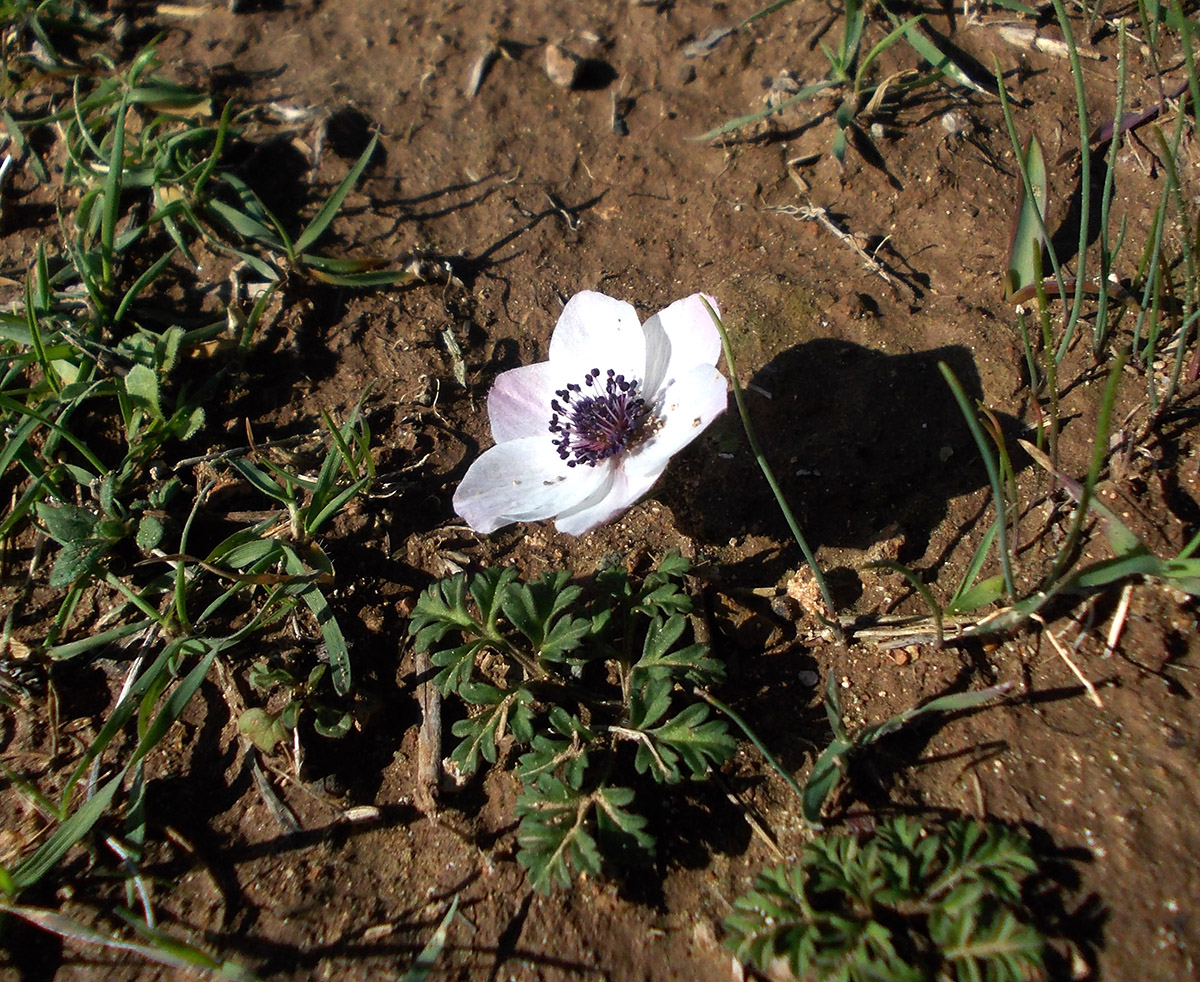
[(105, 381), (905, 904), (592, 688)]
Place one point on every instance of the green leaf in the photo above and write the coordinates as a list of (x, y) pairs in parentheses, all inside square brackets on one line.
[(142, 385), (73, 649), (1024, 267), (186, 422), (857, 908), (173, 950), (331, 723), (674, 564), (649, 702), (316, 228), (426, 961), (66, 523), (82, 821), (942, 704), (262, 729), (163, 948), (1122, 540), (618, 829), (914, 33), (331, 632), (360, 281), (150, 532), (75, 561), (700, 742), (442, 608), (826, 772), (489, 590), (691, 663), (554, 835), (264, 678), (741, 121), (986, 591), (531, 607), (247, 554), (457, 665), (483, 729), (565, 636), (261, 480), (335, 642), (660, 636), (839, 146)]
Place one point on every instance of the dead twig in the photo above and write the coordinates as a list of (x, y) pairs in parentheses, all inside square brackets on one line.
[(1065, 656), (751, 816), (429, 737), (815, 213), (1118, 624)]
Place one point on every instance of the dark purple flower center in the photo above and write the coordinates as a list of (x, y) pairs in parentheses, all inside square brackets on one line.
[(594, 421)]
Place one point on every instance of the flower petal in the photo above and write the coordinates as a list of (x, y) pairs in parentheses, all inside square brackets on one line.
[(606, 504), (595, 331), (523, 481), (519, 402), (679, 338), (688, 406)]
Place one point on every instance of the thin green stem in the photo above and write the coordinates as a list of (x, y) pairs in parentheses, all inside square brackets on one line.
[(1170, 159), (1107, 253), (1085, 180), (960, 397), (831, 621), (1099, 454)]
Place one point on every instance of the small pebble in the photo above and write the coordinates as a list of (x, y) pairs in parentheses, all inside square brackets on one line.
[(562, 66)]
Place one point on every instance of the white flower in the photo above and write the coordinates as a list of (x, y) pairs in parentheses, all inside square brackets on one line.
[(581, 437)]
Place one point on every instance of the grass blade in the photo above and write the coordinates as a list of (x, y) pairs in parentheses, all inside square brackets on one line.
[(736, 124), (993, 472), (316, 228), (1028, 241)]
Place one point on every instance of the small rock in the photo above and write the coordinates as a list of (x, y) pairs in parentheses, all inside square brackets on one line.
[(562, 66)]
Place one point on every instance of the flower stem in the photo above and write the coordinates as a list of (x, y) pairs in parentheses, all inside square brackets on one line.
[(832, 620)]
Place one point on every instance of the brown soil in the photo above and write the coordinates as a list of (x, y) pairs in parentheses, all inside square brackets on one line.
[(526, 195)]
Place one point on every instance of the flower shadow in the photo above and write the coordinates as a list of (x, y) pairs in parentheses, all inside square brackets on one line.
[(859, 440)]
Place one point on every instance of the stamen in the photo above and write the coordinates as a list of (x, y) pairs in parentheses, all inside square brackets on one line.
[(591, 428)]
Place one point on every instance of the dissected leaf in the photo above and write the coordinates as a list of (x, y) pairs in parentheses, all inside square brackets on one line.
[(905, 903), (701, 743)]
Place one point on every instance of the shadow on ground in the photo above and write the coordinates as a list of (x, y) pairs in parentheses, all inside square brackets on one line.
[(859, 440)]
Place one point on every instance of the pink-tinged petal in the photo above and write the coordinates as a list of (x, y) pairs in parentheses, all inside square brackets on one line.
[(523, 481), (519, 402), (595, 331), (691, 339), (604, 507), (688, 406)]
